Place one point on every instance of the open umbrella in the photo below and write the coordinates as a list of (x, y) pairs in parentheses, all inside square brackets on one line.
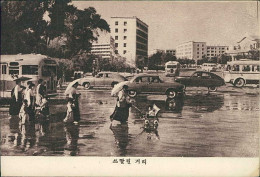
[(118, 87), (22, 78), (70, 86)]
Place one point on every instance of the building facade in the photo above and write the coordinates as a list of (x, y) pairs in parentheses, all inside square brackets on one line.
[(191, 50), (171, 51), (104, 48), (131, 39), (215, 51)]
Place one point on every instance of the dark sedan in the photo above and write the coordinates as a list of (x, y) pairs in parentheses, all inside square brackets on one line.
[(201, 79)]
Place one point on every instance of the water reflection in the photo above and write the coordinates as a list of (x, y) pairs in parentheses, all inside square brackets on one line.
[(72, 136), (121, 135), (204, 103), (174, 105)]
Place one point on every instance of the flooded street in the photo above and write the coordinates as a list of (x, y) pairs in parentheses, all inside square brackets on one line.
[(221, 124)]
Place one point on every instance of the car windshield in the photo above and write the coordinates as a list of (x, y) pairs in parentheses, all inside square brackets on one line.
[(171, 66)]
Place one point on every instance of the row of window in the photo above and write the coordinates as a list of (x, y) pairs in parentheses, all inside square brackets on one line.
[(116, 45), (116, 30), (142, 40), (116, 23), (140, 52), (254, 68), (212, 48), (100, 48), (124, 37), (140, 46), (100, 52), (142, 34)]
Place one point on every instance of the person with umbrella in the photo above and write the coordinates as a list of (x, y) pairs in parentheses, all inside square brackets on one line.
[(72, 93), (123, 104), (17, 98)]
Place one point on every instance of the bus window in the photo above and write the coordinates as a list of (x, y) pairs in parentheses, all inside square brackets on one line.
[(246, 68), (14, 68), (48, 70), (4, 69), (257, 68), (228, 68), (235, 68), (30, 69), (171, 66)]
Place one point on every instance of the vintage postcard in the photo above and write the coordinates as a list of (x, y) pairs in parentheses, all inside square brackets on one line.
[(129, 88)]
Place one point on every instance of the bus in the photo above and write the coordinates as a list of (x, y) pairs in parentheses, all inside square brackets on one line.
[(172, 68), (242, 72), (34, 66)]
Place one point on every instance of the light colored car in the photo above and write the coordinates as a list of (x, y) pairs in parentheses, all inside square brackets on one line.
[(102, 79), (149, 83)]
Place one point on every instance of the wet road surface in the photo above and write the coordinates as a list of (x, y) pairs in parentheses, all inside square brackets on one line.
[(221, 124)]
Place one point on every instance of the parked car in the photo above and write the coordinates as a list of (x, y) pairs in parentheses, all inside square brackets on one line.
[(201, 79), (102, 79), (148, 83), (210, 67)]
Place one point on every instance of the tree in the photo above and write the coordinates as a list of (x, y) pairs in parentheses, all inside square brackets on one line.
[(169, 57), (155, 60)]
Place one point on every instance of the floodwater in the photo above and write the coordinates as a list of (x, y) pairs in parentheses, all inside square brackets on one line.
[(220, 124)]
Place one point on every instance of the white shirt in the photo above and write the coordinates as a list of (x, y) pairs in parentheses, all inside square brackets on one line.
[(28, 94)]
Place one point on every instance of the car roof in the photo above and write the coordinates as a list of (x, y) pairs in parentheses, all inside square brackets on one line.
[(144, 75)]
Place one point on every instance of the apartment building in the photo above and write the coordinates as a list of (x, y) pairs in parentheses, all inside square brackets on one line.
[(131, 39), (191, 50), (215, 51)]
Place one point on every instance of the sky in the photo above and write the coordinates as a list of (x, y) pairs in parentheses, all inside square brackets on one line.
[(174, 22)]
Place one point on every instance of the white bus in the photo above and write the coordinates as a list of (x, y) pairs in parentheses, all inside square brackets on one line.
[(242, 72), (172, 68), (34, 66)]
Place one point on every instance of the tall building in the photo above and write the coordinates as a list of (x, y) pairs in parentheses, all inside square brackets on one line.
[(214, 51), (191, 50), (131, 39)]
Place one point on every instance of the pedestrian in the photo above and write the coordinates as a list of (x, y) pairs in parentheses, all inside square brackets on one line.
[(43, 111), (123, 104), (29, 96), (40, 92), (23, 114), (69, 116), (74, 95), (17, 98)]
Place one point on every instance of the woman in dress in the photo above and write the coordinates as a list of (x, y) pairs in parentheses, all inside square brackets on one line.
[(121, 111)]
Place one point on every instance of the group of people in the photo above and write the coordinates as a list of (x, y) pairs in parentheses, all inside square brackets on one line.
[(28, 105)]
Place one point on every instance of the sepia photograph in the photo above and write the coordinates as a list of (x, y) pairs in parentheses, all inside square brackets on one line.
[(130, 85)]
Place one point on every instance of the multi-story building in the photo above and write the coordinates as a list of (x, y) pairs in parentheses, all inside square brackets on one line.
[(191, 50), (131, 39), (171, 51), (104, 49), (215, 51)]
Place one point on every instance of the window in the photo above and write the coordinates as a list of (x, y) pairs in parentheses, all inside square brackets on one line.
[(30, 69), (125, 30), (14, 68), (49, 70), (124, 44), (125, 37), (116, 44), (124, 52), (197, 56), (155, 79), (116, 30), (198, 53), (116, 37), (142, 79), (246, 68), (198, 45), (116, 51), (4, 69), (125, 23), (235, 68), (116, 22)]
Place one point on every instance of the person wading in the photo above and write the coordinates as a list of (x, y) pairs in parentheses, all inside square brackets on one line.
[(17, 99), (29, 96), (121, 111), (74, 95)]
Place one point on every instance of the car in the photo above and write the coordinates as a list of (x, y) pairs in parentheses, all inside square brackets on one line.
[(153, 84), (102, 79), (201, 79)]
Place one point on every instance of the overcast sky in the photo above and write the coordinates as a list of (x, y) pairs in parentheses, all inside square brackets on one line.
[(172, 23)]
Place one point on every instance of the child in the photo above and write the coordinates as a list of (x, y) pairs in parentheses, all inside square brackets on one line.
[(23, 115), (151, 121), (69, 117), (42, 112)]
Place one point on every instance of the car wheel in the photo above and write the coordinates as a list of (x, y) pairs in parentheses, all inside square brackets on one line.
[(132, 93), (86, 85), (239, 82), (212, 89), (113, 84), (171, 94)]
